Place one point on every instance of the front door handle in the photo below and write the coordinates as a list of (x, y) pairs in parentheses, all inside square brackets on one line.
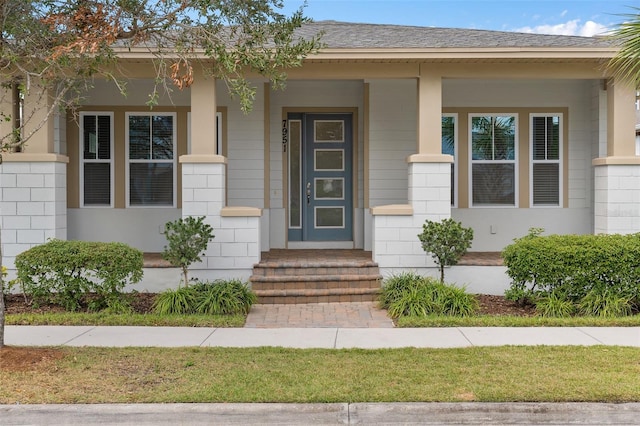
[(308, 192)]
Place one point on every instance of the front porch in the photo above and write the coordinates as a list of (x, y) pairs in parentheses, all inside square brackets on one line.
[(332, 276)]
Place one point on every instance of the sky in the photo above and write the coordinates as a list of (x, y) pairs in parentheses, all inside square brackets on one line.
[(576, 17)]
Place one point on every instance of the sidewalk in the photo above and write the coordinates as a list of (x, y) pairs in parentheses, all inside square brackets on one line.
[(329, 337)]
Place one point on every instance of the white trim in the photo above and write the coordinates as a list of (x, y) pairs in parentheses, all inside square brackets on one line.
[(111, 160), (315, 159), (315, 217), (456, 165), (514, 161), (173, 161), (316, 140), (315, 185), (559, 161)]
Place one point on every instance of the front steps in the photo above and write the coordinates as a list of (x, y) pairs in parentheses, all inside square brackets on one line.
[(316, 276)]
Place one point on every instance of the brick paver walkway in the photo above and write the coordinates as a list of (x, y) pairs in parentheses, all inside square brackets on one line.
[(347, 315)]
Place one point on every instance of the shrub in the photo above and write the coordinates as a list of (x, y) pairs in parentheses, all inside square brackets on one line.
[(409, 294), (554, 305), (605, 304), (447, 241), (224, 298), (575, 267), (221, 297), (188, 238), (176, 301), (64, 272), (394, 287)]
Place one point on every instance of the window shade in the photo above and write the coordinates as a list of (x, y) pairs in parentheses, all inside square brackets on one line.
[(97, 184), (546, 184), (546, 172), (493, 184), (151, 184)]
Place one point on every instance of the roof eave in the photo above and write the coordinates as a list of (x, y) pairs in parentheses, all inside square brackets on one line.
[(403, 54), (465, 53)]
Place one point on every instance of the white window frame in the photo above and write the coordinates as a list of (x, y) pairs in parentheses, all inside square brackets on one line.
[(111, 159), (559, 161), (173, 161), (514, 161), (456, 169), (218, 131)]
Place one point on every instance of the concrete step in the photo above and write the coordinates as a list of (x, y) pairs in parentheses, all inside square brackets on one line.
[(262, 270), (330, 295), (316, 277)]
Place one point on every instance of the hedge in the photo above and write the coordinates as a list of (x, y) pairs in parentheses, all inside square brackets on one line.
[(65, 271), (574, 266)]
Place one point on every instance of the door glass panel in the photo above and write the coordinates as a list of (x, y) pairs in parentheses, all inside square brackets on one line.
[(295, 169), (328, 131), (329, 159), (330, 189), (329, 217)]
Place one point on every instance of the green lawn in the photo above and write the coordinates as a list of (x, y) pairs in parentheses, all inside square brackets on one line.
[(513, 321), (99, 318), (136, 375)]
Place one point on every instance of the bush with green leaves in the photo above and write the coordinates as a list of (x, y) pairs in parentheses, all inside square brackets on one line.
[(447, 241), (598, 274), (409, 294), (64, 272), (220, 297), (187, 239)]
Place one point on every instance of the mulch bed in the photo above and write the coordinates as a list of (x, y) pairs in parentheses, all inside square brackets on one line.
[(142, 303)]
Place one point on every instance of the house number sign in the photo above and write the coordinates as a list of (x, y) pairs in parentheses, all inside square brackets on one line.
[(285, 135)]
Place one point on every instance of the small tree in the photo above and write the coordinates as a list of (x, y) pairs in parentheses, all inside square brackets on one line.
[(447, 241), (188, 239)]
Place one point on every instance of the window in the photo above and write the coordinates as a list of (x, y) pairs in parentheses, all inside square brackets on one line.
[(151, 165), (546, 170), (96, 159), (493, 160), (450, 146)]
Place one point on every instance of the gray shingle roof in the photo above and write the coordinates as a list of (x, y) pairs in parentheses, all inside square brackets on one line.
[(343, 35)]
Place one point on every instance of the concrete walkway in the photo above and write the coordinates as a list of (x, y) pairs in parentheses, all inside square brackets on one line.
[(327, 337), (318, 315)]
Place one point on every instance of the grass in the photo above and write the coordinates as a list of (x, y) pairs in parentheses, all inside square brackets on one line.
[(499, 374), (195, 320), (101, 318), (514, 321)]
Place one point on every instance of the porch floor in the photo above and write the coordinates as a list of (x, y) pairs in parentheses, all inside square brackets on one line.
[(476, 258)]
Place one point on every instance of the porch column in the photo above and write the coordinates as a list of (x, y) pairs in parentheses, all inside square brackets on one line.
[(33, 186), (203, 114), (617, 176), (430, 170), (235, 248)]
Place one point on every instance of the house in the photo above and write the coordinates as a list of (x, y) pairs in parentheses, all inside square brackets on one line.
[(386, 127)]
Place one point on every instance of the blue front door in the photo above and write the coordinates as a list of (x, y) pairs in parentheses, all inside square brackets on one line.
[(321, 195)]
